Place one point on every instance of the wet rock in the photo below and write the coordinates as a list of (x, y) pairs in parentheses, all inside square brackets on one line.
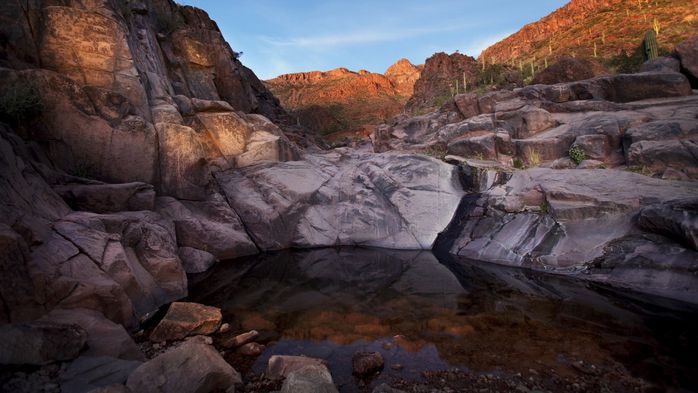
[(241, 339), (40, 343), (251, 349), (281, 366), (257, 323), (677, 220), (569, 70), (88, 373), (108, 198), (364, 363), (311, 379), (187, 319), (191, 367), (106, 338)]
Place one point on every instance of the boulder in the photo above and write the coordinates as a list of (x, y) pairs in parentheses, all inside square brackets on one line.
[(677, 220), (646, 85), (105, 337), (187, 319), (569, 70), (687, 52), (196, 261), (526, 122), (656, 156), (590, 164), (40, 343), (210, 106), (314, 378), (241, 339), (661, 64), (482, 146), (467, 105), (364, 363), (108, 198), (251, 349), (281, 366), (88, 373), (191, 367), (381, 138)]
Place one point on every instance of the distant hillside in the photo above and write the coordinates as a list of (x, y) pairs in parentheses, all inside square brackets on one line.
[(353, 99), (610, 26)]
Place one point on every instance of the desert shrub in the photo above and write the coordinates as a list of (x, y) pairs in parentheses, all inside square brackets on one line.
[(19, 102), (533, 157), (169, 23), (518, 164), (577, 154)]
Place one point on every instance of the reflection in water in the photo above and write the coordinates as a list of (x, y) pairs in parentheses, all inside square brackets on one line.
[(423, 313)]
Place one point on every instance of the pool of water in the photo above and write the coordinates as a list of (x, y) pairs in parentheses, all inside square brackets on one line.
[(429, 312)]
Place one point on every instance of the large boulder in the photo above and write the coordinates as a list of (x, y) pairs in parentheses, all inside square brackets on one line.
[(569, 70), (190, 368), (106, 338), (187, 319), (87, 373), (687, 52), (40, 343)]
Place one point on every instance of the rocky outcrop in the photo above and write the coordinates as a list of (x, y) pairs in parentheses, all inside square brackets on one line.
[(364, 97), (569, 70), (439, 77), (586, 29)]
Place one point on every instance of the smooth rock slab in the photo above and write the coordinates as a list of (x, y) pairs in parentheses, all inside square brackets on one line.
[(309, 379), (192, 367), (40, 343), (364, 363), (187, 319), (88, 373), (676, 220)]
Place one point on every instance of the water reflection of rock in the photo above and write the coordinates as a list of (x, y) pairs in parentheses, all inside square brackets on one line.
[(482, 316)]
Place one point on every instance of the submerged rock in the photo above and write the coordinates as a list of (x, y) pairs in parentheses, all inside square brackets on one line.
[(364, 363)]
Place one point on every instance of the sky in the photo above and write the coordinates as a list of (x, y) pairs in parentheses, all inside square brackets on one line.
[(281, 37)]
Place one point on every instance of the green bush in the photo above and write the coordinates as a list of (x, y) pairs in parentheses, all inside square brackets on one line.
[(518, 164), (577, 154), (19, 102)]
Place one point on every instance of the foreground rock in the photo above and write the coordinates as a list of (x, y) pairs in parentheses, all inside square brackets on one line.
[(41, 343), (191, 367), (187, 319), (309, 379), (88, 373), (282, 366), (364, 363)]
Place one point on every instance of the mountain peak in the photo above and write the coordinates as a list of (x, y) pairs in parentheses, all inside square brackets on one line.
[(401, 67)]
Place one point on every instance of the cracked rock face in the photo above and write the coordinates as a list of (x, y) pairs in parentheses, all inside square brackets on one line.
[(395, 200)]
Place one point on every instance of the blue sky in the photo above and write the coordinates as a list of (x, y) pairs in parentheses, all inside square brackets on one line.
[(280, 37)]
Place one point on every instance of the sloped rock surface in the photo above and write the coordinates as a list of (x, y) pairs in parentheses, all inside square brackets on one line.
[(88, 373), (40, 343)]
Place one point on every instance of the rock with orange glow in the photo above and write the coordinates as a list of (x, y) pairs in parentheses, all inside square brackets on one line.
[(364, 363), (187, 319)]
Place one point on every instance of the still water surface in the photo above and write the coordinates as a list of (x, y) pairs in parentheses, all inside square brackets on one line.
[(429, 312)]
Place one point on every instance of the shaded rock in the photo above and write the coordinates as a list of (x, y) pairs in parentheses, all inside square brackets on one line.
[(187, 319), (281, 366), (643, 86), (488, 101), (595, 147), (112, 389), (687, 52), (526, 122), (241, 339), (384, 388), (210, 226), (108, 198), (482, 146), (88, 373), (251, 349), (184, 104), (673, 174), (656, 156), (569, 70), (364, 363), (381, 138), (210, 106), (191, 367), (467, 105), (676, 220), (311, 379), (106, 338), (661, 64), (590, 164), (41, 343), (196, 261)]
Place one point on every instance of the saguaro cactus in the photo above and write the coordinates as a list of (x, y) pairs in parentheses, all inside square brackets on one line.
[(649, 44)]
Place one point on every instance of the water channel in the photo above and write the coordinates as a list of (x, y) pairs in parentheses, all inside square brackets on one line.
[(428, 312)]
